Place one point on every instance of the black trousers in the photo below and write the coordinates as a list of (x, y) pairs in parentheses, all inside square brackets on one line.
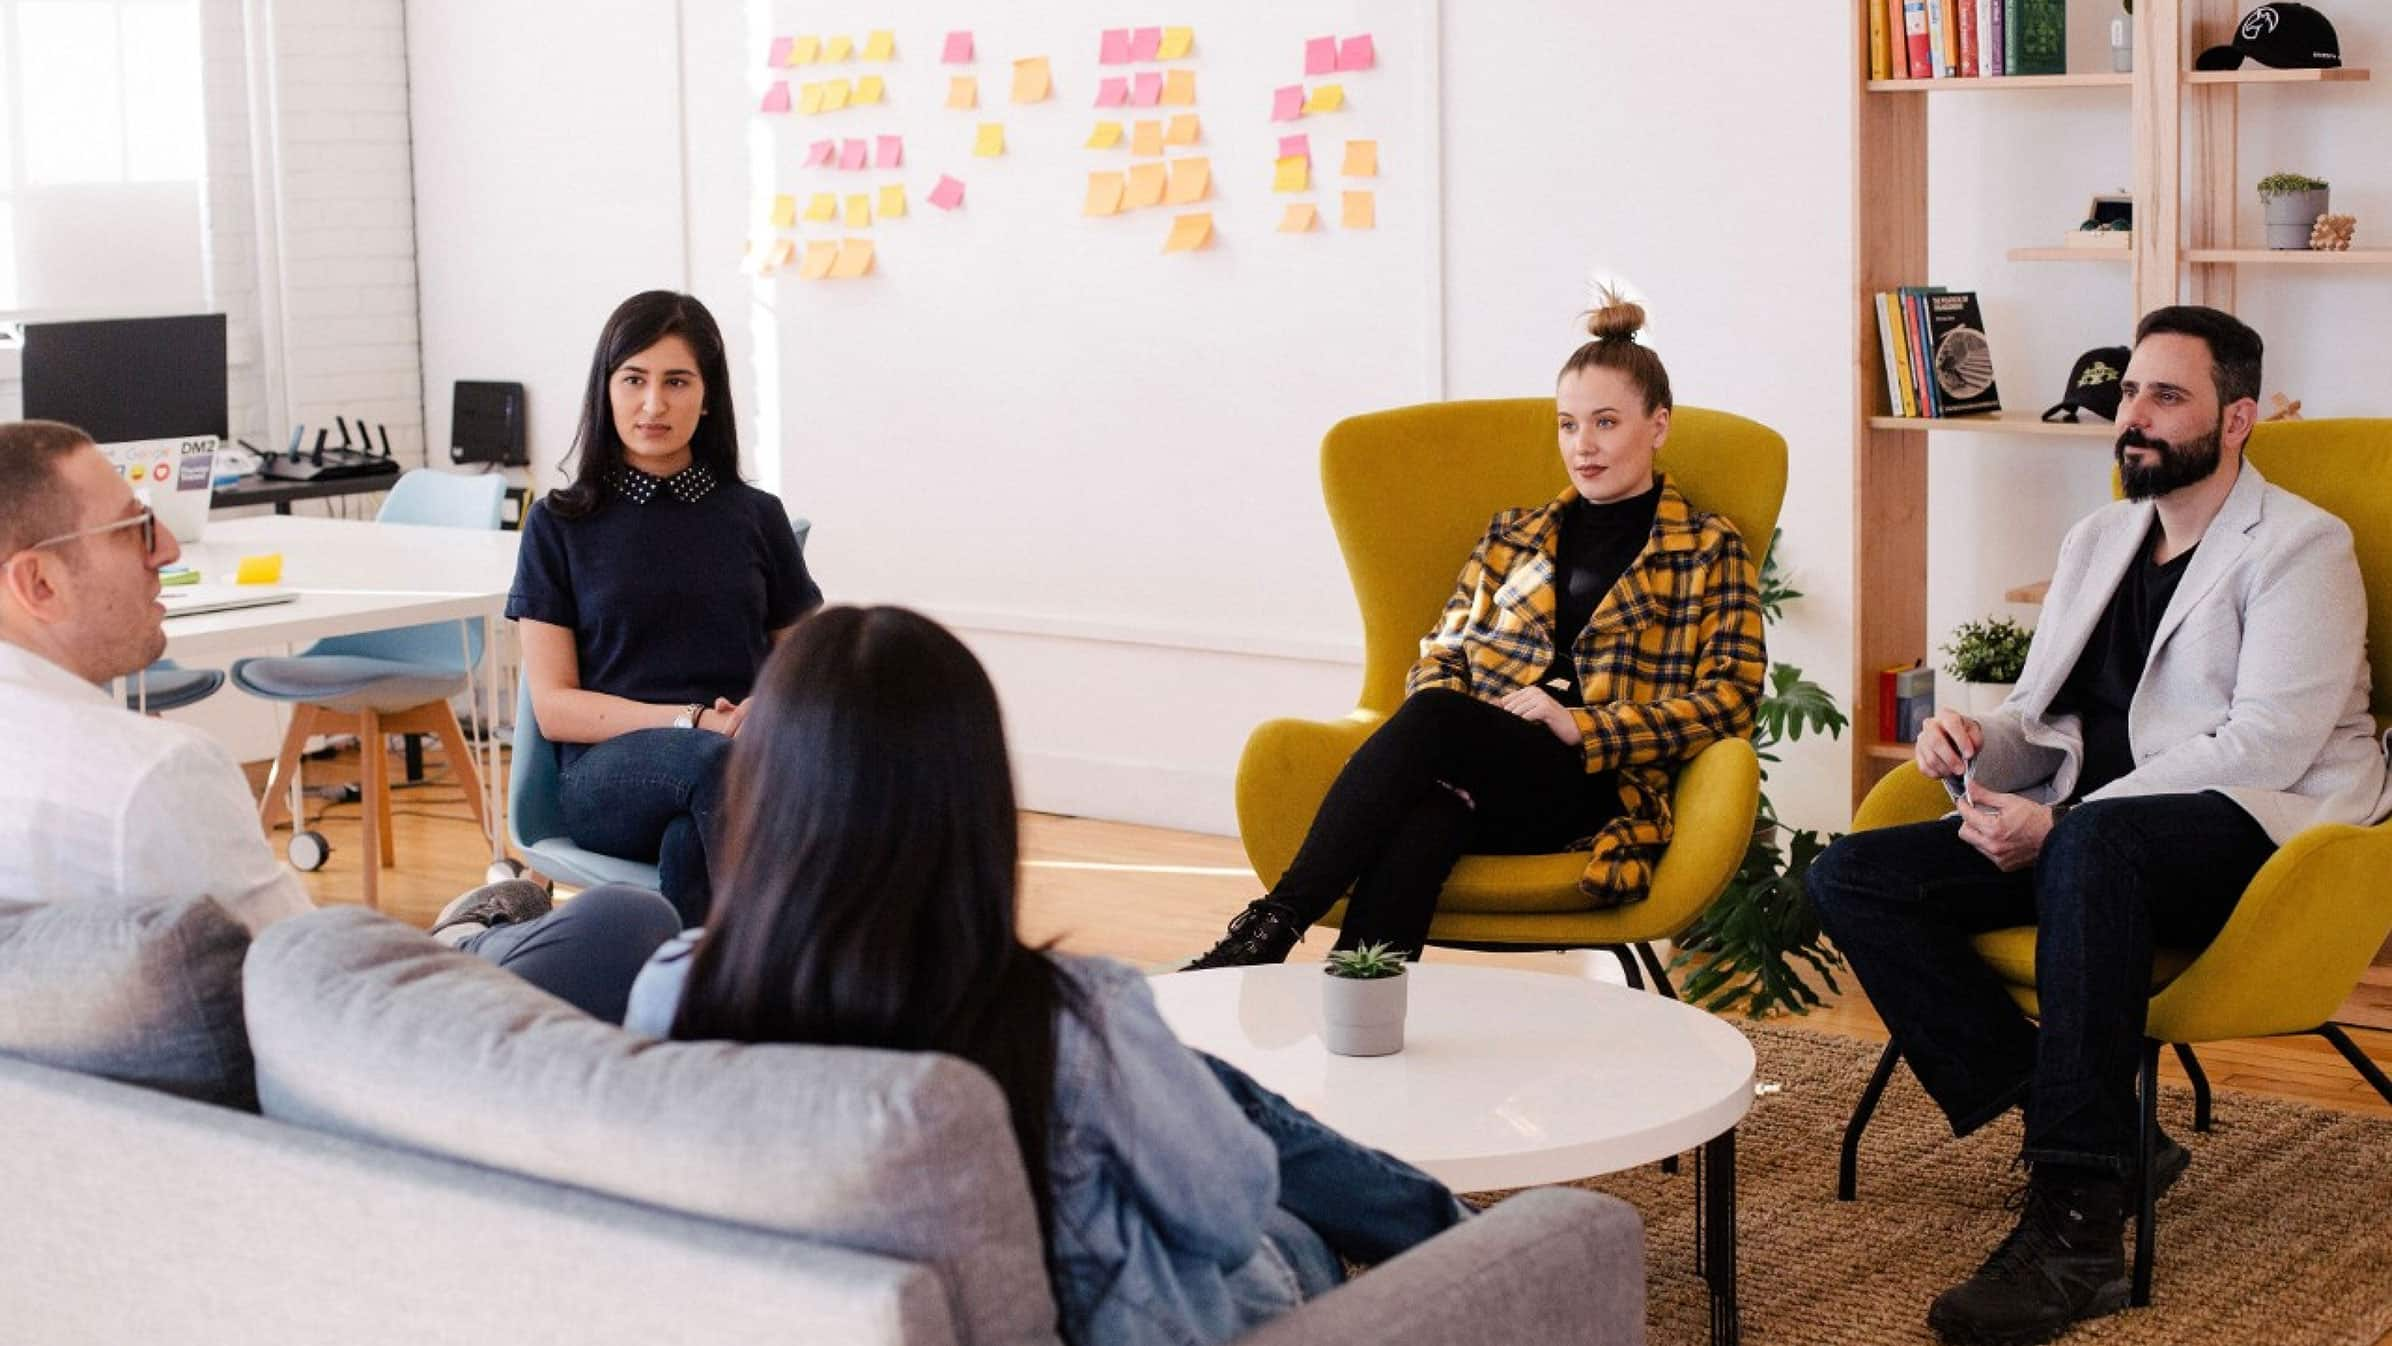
[(1445, 776)]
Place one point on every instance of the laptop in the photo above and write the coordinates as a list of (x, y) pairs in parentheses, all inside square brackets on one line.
[(192, 599)]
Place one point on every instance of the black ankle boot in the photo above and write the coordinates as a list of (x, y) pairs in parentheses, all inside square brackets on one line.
[(2063, 1264), (1265, 932)]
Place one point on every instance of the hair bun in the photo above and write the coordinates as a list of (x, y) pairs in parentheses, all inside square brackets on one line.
[(1616, 320)]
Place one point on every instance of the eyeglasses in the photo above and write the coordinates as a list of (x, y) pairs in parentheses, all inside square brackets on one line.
[(146, 521)]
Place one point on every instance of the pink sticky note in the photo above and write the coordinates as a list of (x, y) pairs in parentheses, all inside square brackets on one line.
[(776, 98), (1150, 89), (780, 52), (948, 194), (1113, 91), (822, 152), (892, 153), (1357, 53), (1295, 147), (1115, 49), (851, 155), (1288, 103), (959, 48), (1320, 56), (1145, 43)]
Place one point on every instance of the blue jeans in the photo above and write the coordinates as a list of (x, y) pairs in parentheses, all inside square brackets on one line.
[(651, 794), (2116, 878), (589, 950), (1353, 1201)]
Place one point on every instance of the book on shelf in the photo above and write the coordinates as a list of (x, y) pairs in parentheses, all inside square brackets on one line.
[(1897, 38), (1936, 66), (1960, 357), (1914, 31), (1967, 13), (1995, 35), (2038, 37), (1877, 42), (1905, 700), (1889, 327)]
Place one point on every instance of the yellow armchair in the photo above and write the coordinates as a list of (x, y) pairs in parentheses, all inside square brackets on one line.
[(1410, 492)]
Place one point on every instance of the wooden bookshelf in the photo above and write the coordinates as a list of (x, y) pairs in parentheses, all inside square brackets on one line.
[(2071, 254), (2287, 257), (2259, 74), (1998, 423), (2003, 84)]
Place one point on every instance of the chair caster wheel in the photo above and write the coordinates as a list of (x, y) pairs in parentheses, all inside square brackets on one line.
[(308, 851), (502, 870)]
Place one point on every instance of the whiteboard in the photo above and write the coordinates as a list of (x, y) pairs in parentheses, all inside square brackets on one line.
[(1031, 420)]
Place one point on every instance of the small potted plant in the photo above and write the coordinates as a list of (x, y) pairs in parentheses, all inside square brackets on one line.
[(1986, 659), (1362, 1001), (2293, 202)]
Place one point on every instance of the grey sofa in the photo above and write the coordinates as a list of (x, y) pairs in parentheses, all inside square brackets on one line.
[(447, 1156)]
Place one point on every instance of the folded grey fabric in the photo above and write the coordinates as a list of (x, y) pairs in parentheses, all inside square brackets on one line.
[(2009, 764)]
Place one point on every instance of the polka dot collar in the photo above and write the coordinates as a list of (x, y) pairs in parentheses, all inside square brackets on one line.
[(689, 485)]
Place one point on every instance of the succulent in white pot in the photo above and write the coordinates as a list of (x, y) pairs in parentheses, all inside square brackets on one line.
[(1986, 659), (1363, 994)]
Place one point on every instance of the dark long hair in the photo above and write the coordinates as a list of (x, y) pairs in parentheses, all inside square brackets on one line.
[(636, 324), (866, 892)]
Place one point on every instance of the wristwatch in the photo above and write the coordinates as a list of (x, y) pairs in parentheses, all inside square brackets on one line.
[(688, 718)]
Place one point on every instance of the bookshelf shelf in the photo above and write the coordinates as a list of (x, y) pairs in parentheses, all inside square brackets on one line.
[(2263, 75), (2027, 593), (1999, 423), (2002, 84), (2072, 254), (2289, 257), (1890, 752)]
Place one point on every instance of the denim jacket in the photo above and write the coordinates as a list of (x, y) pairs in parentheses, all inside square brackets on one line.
[(1160, 1185)]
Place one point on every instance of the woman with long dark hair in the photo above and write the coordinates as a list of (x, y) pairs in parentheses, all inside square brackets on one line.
[(648, 592), (866, 897)]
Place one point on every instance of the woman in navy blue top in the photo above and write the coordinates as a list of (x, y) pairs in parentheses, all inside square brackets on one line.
[(648, 593)]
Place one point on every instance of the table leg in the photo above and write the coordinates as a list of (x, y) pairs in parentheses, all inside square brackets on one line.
[(1715, 1231)]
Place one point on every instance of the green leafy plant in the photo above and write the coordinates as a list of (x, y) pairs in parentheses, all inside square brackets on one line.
[(1993, 650), (2288, 184), (1367, 963), (1745, 949)]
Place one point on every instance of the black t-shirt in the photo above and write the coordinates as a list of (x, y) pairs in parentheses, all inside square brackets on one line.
[(1596, 546), (2101, 688), (670, 600)]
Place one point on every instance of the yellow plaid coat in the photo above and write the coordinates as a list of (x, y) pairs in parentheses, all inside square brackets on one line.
[(1671, 661)]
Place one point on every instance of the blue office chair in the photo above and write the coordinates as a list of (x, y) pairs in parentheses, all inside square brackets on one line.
[(384, 682), (167, 685)]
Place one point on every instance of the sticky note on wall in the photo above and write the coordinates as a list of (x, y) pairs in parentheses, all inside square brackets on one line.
[(822, 153), (805, 51), (1114, 47), (1326, 98), (1320, 56), (1361, 212), (963, 91), (890, 152), (784, 212), (1362, 159), (809, 100), (1146, 184), (1357, 53), (835, 94), (851, 155), (822, 206), (991, 140), (868, 90), (1147, 138), (1032, 80), (1295, 147), (859, 211), (1292, 174), (1185, 129), (1287, 103), (1104, 194), (1176, 43), (1191, 181), (959, 48), (1179, 88), (1104, 136), (1299, 218), (838, 48), (1190, 232), (892, 201), (1112, 91), (1146, 44), (948, 194), (779, 55), (855, 259), (819, 256), (881, 45), (776, 98)]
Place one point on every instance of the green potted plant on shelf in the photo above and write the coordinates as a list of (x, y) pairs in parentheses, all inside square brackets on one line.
[(1986, 659), (1747, 946), (1362, 1001), (2293, 202)]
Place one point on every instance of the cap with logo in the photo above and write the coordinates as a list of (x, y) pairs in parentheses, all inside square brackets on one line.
[(2286, 37), (2092, 385)]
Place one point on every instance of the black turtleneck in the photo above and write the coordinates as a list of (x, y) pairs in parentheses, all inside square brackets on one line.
[(1598, 542)]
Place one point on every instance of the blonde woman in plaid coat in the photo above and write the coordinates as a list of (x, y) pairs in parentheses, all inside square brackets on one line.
[(1511, 741)]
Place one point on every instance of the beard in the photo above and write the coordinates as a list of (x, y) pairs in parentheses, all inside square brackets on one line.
[(2177, 465)]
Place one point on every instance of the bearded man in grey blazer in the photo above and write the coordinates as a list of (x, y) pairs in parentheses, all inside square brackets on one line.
[(2197, 693)]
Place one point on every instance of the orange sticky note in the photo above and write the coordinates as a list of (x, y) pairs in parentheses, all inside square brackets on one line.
[(1175, 44), (1190, 232), (823, 206), (1299, 217), (991, 141), (838, 48), (835, 94), (1325, 98), (809, 99), (1179, 88), (784, 212), (819, 256), (1185, 129), (1104, 194), (859, 211), (880, 46), (892, 201), (855, 259), (1032, 80), (1191, 181), (781, 252), (963, 91), (264, 568), (1362, 159), (1104, 135), (1293, 174), (1146, 138), (1146, 186), (1360, 212), (805, 51), (868, 90)]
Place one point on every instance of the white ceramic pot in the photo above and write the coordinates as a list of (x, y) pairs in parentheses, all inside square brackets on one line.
[(1363, 1017), (1980, 699)]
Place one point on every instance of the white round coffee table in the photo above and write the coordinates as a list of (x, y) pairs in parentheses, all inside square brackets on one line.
[(1506, 1079)]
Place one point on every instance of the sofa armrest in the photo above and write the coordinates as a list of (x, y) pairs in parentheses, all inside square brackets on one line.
[(1555, 1264)]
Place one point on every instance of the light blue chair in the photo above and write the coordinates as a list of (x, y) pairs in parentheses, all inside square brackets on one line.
[(167, 685), (384, 682)]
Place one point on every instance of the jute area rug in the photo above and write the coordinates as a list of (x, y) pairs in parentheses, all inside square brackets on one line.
[(2280, 1233)]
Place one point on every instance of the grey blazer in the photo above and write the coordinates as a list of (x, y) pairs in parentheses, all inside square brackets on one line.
[(2257, 681)]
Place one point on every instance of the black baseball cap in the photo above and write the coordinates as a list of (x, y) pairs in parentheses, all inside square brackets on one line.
[(2287, 37), (2092, 385)]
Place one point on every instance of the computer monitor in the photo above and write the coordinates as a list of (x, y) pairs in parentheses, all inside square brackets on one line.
[(149, 391)]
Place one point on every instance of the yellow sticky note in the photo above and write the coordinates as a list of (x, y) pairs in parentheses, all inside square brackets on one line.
[(264, 568), (1293, 174), (1104, 194), (868, 90), (1032, 80), (1104, 136), (1190, 232), (855, 259), (859, 211), (823, 206), (963, 91), (1191, 181), (809, 99), (1362, 159), (1147, 138), (991, 141), (1179, 88), (1175, 44), (781, 252), (1360, 211), (1299, 217), (838, 48), (784, 212), (819, 256), (835, 94), (892, 201), (1326, 98), (805, 51), (1185, 129), (880, 46), (1146, 186)]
